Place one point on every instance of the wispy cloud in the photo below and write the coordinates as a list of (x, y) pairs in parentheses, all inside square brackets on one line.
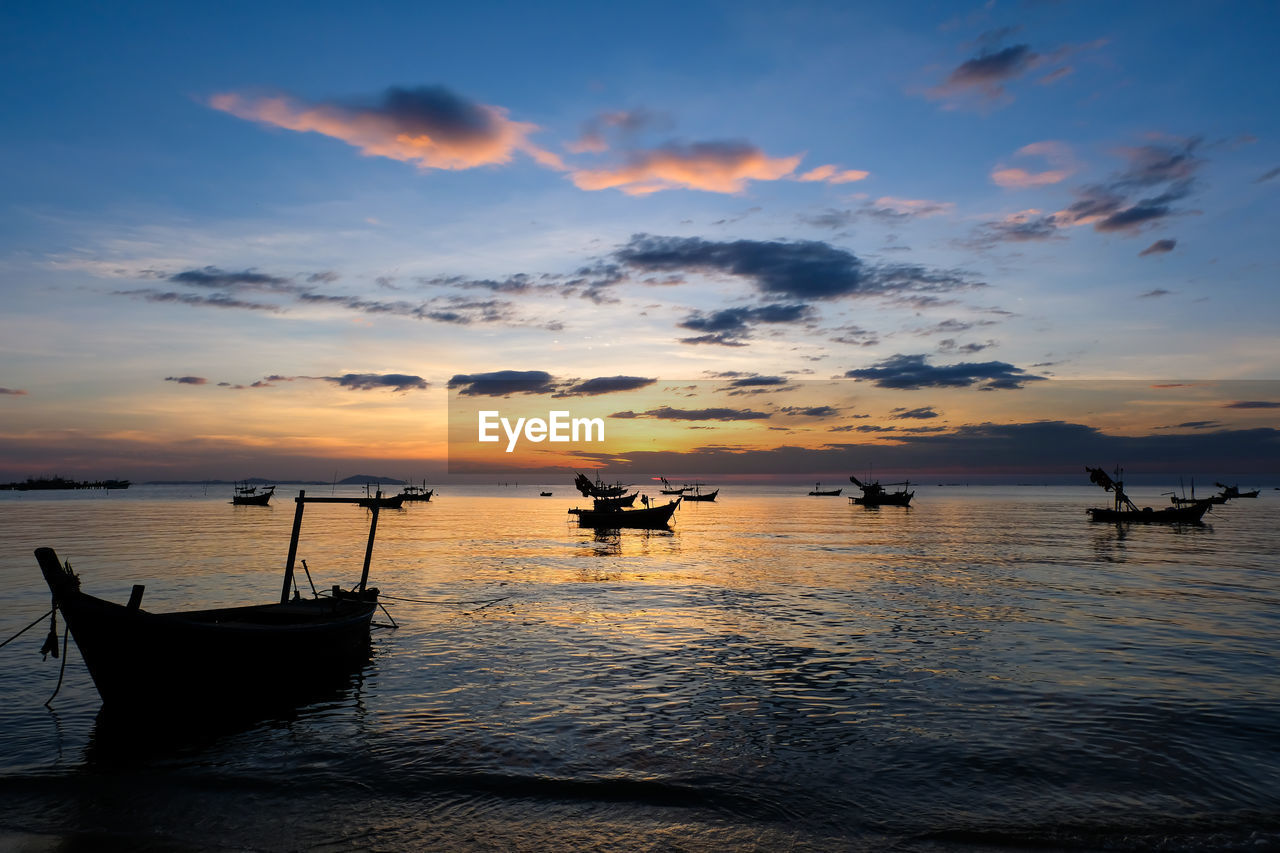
[(987, 75), (186, 380), (728, 326), (1057, 154), (429, 126), (1252, 404), (667, 413), (720, 167), (604, 385), (830, 174), (1159, 247), (623, 123), (12, 392)]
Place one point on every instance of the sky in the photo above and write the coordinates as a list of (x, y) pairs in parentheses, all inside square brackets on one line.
[(289, 239)]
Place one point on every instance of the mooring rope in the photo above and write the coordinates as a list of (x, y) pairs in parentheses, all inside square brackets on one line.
[(485, 601), (25, 630), (63, 670)]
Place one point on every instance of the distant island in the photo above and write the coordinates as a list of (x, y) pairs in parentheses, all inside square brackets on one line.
[(42, 484)]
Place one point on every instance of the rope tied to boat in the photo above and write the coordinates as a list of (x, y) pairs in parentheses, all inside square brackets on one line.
[(28, 628), (50, 646)]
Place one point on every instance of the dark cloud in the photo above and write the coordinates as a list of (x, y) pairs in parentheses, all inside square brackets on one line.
[(217, 300), (912, 372), (757, 381), (1155, 294), (833, 219), (1262, 179), (14, 392), (723, 339), (605, 385), (501, 383), (992, 67), (728, 325), (372, 381), (666, 413), (186, 380), (810, 411), (922, 413), (798, 270), (1252, 404), (219, 279), (950, 345), (1158, 247)]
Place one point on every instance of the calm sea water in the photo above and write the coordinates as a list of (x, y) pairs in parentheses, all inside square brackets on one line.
[(988, 669)]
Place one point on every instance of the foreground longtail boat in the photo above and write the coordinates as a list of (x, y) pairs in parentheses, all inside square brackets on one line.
[(230, 659), (1126, 510), (645, 517), (874, 494)]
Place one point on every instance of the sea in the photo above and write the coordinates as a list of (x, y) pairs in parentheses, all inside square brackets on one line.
[(988, 670)]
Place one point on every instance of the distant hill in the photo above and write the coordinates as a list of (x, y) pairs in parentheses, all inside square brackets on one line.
[(362, 479)]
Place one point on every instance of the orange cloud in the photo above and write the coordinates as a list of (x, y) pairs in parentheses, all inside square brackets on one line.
[(428, 126), (831, 175), (720, 167), (1057, 154)]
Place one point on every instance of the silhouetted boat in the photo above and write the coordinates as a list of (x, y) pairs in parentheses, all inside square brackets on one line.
[(246, 495), (874, 494), (818, 491), (416, 493), (648, 516), (377, 499), (615, 503), (667, 488), (1126, 510), (223, 659), (598, 489), (544, 494), (697, 494), (1231, 492)]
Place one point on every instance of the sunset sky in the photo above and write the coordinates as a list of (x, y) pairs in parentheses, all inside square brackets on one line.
[(274, 239)]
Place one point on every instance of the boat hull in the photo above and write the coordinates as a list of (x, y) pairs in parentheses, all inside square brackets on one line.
[(1169, 515), (894, 499), (709, 496), (649, 517), (212, 660), (263, 499)]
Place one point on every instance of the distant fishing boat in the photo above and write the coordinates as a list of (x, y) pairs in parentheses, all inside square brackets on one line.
[(375, 498), (818, 491), (668, 489), (874, 494), (227, 658), (646, 517), (698, 495), (247, 495), (416, 493), (544, 494), (1232, 492), (1126, 510)]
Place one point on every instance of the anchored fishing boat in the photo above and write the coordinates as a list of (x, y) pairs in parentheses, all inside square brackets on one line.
[(598, 489), (375, 498), (1231, 492), (668, 489), (1126, 510), (818, 491), (646, 517), (698, 495), (247, 495), (416, 493), (874, 494), (224, 659)]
